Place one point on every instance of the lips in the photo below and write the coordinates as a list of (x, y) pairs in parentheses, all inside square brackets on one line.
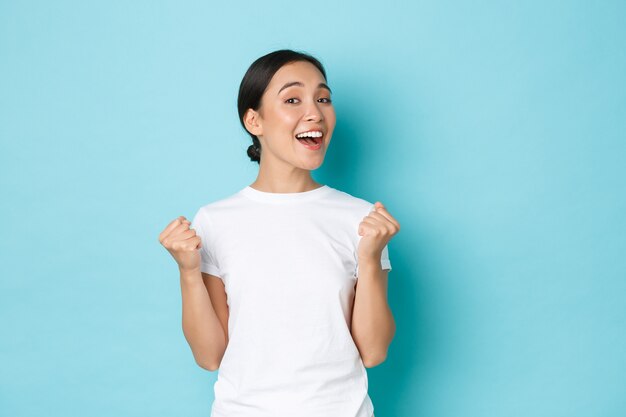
[(312, 143)]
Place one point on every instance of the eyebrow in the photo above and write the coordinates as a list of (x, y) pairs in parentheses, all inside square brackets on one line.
[(299, 84)]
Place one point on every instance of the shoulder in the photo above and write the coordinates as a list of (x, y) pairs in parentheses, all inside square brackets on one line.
[(351, 202), (223, 204), (219, 208)]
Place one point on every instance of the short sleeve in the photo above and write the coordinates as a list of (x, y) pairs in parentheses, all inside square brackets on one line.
[(385, 263), (201, 223)]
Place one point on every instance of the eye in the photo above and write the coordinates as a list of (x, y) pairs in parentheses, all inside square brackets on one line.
[(290, 100)]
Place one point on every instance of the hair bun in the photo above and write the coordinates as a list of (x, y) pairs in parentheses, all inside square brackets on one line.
[(253, 153)]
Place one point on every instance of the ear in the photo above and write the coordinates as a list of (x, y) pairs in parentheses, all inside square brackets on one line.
[(252, 120)]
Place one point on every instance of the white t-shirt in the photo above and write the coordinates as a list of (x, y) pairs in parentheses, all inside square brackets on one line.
[(289, 265)]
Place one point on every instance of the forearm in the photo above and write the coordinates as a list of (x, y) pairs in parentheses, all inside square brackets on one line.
[(373, 325), (201, 326)]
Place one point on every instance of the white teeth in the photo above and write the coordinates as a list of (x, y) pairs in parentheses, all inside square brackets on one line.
[(309, 135)]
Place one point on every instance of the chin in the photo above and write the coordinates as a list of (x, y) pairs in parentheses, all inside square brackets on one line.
[(312, 164)]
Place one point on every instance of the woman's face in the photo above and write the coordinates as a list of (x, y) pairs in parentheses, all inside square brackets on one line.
[(288, 109)]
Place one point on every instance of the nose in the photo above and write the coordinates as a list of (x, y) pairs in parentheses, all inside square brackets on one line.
[(313, 113)]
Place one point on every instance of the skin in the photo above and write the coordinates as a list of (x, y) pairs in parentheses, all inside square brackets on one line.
[(285, 167), (373, 326)]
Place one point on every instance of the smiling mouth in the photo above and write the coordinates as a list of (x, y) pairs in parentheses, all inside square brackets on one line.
[(311, 143)]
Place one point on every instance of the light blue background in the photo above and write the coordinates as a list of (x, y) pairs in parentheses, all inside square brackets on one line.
[(493, 131)]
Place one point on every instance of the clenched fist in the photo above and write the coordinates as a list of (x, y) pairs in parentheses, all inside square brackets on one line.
[(376, 229), (182, 243)]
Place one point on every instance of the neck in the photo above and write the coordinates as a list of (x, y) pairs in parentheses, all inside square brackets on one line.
[(284, 179)]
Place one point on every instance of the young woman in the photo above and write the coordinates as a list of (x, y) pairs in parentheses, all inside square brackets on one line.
[(284, 283)]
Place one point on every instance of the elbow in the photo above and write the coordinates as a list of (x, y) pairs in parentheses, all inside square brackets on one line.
[(372, 361), (209, 362), (375, 357), (208, 359), (208, 365), (211, 368)]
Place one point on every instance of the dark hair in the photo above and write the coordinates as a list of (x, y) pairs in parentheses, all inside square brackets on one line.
[(255, 82)]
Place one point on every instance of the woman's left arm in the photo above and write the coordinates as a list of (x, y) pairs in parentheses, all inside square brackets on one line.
[(373, 326)]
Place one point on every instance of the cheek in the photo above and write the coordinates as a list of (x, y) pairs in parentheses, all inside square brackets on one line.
[(292, 120), (280, 116), (330, 111), (287, 116), (285, 127), (330, 117)]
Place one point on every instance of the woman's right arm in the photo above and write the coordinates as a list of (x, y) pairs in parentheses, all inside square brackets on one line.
[(201, 326)]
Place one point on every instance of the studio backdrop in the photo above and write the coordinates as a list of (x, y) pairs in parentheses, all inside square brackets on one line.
[(495, 132)]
